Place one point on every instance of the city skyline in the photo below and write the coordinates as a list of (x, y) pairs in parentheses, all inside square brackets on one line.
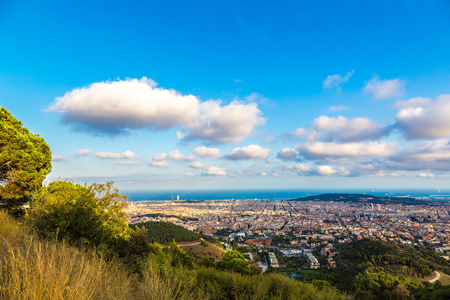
[(227, 95)]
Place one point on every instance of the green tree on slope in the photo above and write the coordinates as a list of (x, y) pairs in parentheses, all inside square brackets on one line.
[(25, 161), (234, 261), (93, 214)]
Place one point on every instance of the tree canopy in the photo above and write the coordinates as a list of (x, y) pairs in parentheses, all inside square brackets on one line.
[(25, 161), (165, 232), (93, 214), (234, 261)]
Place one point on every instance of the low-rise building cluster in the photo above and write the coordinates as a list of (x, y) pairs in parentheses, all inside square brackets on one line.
[(304, 224)]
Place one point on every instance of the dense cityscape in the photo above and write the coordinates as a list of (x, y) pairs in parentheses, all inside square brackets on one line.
[(303, 225)]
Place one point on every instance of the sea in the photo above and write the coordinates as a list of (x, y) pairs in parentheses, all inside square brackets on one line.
[(276, 194)]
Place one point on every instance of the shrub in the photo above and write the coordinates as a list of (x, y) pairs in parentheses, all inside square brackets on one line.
[(83, 214)]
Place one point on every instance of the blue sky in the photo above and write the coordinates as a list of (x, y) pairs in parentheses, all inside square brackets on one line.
[(233, 94)]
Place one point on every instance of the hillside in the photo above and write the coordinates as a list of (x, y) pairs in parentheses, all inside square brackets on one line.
[(382, 270), (34, 268), (396, 259), (165, 232), (202, 249), (363, 198), (192, 243)]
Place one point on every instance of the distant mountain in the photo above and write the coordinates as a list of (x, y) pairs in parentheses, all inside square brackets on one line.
[(363, 198)]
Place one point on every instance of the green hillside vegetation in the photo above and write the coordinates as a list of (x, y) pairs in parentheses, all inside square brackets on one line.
[(75, 243), (359, 198), (372, 269), (165, 232), (37, 268)]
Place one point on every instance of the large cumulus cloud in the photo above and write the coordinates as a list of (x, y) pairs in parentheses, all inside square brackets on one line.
[(223, 124), (321, 150), (341, 129), (426, 155), (425, 119), (115, 107)]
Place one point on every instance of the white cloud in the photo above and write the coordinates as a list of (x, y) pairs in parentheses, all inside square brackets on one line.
[(343, 129), (248, 152), (176, 155), (287, 153), (197, 165), (298, 168), (429, 120), (335, 81), (84, 152), (413, 102), (159, 163), (326, 170), (132, 103), (301, 168), (215, 171), (203, 151), (287, 167), (159, 157), (263, 174), (382, 173), (109, 155), (327, 123), (428, 155), (319, 150), (426, 175), (223, 124), (189, 174), (298, 133), (127, 163), (385, 88), (116, 107), (159, 160), (275, 174), (430, 151), (56, 158), (443, 155)]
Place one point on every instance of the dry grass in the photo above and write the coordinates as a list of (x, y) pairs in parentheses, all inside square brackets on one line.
[(177, 284), (445, 279), (36, 269), (198, 251), (31, 268)]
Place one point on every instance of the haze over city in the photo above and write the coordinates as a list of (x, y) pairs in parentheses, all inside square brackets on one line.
[(204, 95)]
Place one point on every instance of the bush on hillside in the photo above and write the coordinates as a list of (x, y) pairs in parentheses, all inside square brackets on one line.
[(234, 261), (84, 214)]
